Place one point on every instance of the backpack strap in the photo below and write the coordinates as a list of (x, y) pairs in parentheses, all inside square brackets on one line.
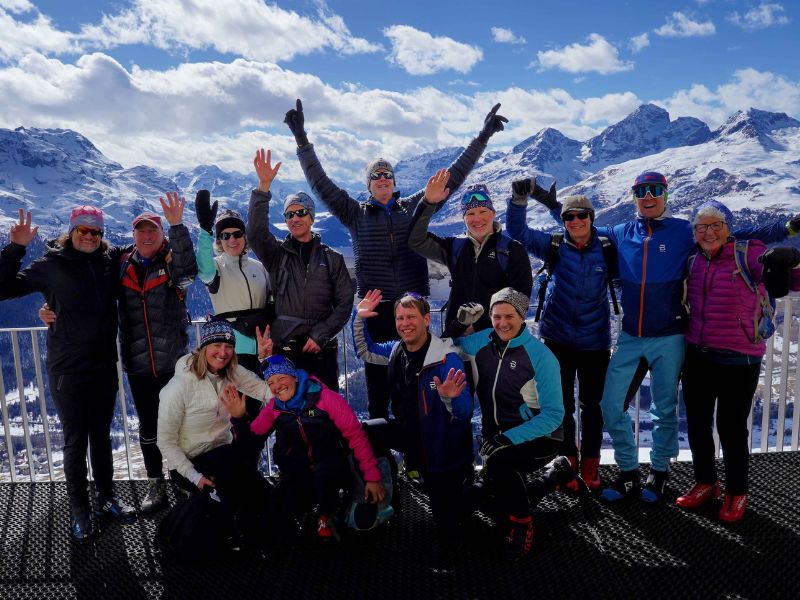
[(503, 251), (549, 266), (455, 251), (740, 255), (610, 258)]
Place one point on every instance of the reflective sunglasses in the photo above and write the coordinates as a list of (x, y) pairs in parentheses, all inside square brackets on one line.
[(654, 189), (226, 235), (374, 176), (476, 196), (83, 230), (715, 226), (300, 212), (580, 215)]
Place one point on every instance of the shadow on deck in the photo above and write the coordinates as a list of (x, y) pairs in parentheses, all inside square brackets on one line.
[(581, 549)]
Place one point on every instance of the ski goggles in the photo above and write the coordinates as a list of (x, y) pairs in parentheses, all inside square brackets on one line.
[(83, 230), (226, 235), (583, 215), (375, 175), (300, 212), (474, 197), (654, 189)]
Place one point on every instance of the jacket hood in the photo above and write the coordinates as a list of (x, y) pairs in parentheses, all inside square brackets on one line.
[(306, 384), (316, 240), (438, 350)]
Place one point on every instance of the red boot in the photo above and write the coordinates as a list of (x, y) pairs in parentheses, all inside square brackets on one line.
[(590, 473), (520, 537), (732, 508), (571, 486), (699, 495)]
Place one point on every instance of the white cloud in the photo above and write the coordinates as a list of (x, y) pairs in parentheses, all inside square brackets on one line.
[(506, 36), (762, 16), (248, 28), (420, 53), (682, 26), (16, 6), (597, 55), (639, 42), (749, 88)]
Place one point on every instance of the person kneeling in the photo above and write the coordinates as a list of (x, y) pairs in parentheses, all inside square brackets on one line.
[(314, 427)]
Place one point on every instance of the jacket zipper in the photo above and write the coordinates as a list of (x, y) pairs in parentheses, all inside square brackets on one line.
[(644, 276), (494, 385), (305, 439), (246, 282)]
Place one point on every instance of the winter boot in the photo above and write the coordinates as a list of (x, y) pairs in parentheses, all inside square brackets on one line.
[(655, 485), (562, 474), (114, 507), (626, 485), (520, 537), (733, 508), (81, 526), (325, 528), (570, 486), (590, 473), (699, 495), (156, 495)]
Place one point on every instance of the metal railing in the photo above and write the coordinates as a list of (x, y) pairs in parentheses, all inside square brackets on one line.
[(29, 421)]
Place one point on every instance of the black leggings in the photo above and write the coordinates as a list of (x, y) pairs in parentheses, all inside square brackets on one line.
[(145, 390)]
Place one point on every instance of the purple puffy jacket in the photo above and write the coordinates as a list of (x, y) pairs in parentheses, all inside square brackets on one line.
[(722, 307)]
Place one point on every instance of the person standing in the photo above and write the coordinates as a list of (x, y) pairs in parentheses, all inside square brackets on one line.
[(313, 290), (379, 229), (78, 279), (482, 262)]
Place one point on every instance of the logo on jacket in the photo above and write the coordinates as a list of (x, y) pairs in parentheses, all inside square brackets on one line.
[(662, 247), (432, 384), (513, 364), (491, 255)]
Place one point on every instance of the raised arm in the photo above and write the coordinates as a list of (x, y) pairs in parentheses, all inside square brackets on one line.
[(535, 242), (367, 350), (183, 264), (261, 240), (420, 240), (206, 214), (13, 282)]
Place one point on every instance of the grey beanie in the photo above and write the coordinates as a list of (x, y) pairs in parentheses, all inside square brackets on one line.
[(577, 203), (511, 296), (303, 200), (379, 164)]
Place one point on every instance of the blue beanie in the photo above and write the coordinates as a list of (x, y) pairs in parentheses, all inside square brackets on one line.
[(713, 208), (475, 197), (216, 330), (278, 364)]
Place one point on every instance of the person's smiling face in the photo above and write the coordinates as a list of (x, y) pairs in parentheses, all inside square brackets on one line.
[(506, 321)]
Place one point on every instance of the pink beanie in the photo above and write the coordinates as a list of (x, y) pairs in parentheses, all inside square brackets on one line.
[(86, 215)]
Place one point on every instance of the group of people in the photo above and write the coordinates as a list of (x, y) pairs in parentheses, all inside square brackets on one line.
[(692, 296)]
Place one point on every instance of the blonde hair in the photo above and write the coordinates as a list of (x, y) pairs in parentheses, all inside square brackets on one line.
[(198, 364)]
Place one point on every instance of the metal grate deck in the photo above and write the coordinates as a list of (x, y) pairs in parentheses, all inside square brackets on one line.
[(582, 549)]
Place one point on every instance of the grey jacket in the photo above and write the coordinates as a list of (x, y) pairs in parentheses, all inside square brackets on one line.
[(314, 301), (379, 232)]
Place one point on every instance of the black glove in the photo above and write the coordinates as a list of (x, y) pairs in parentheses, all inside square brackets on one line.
[(546, 197), (778, 264), (469, 313), (493, 444), (296, 122), (521, 190), (205, 211), (492, 124)]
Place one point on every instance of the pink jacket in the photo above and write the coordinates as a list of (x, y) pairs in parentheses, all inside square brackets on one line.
[(722, 308), (303, 418)]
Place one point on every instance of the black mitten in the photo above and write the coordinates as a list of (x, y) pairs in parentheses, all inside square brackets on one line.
[(205, 211), (492, 124), (546, 197), (296, 122), (778, 264)]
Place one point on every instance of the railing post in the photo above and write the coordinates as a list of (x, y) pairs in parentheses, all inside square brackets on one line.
[(22, 404), (784, 384), (7, 427), (42, 403), (767, 398)]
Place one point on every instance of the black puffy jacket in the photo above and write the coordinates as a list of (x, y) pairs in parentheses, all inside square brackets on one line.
[(152, 313), (81, 289)]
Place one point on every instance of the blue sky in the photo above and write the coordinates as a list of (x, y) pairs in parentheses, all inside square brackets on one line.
[(173, 84)]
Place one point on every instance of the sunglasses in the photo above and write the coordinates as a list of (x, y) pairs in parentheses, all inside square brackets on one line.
[(716, 226), (581, 215), (378, 174), (226, 235), (300, 212), (89, 231), (654, 189), (475, 196)]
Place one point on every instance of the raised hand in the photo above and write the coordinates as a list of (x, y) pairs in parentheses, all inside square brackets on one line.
[(546, 197), (437, 189), (264, 343), (492, 124), (205, 211), (312, 347), (264, 169), (173, 208), (366, 308), (374, 492), (521, 190), (469, 313), (453, 384), (296, 121), (233, 401), (204, 482), (21, 233), (47, 316)]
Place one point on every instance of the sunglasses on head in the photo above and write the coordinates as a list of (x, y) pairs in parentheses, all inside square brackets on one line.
[(375, 175), (82, 230), (572, 215), (474, 196), (654, 189), (300, 212), (413, 295), (226, 235)]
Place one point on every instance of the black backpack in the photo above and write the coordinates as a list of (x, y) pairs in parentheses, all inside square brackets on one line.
[(196, 529), (545, 273), (502, 250)]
